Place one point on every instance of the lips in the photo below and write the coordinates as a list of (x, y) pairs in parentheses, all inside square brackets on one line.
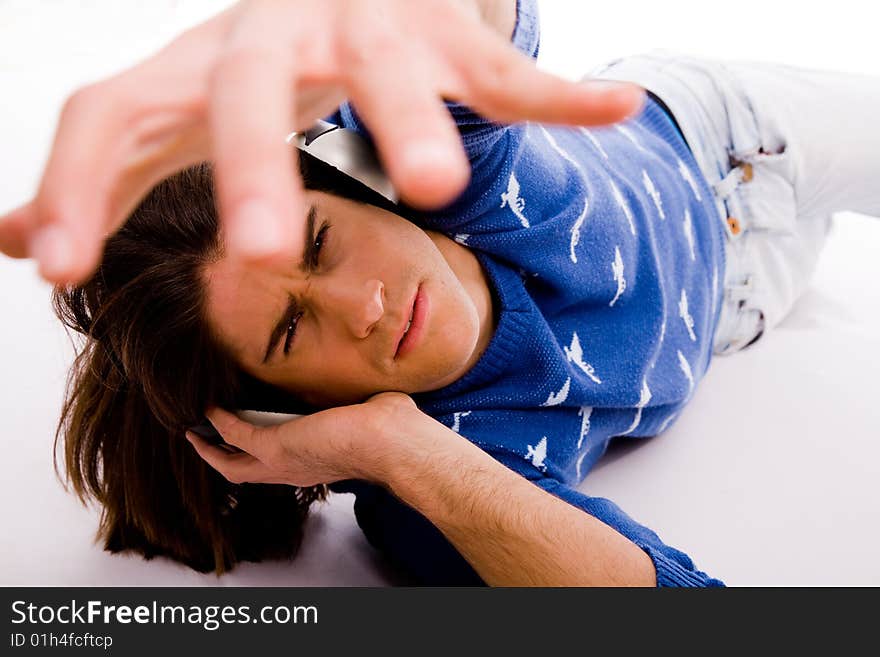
[(411, 328)]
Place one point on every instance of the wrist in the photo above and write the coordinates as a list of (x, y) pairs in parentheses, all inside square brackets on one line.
[(424, 463), (395, 431), (413, 446), (407, 446)]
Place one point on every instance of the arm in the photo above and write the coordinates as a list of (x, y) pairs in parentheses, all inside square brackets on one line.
[(496, 511), (512, 532), (421, 478)]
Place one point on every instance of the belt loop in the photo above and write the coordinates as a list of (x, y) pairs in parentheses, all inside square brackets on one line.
[(724, 187), (739, 291), (742, 172)]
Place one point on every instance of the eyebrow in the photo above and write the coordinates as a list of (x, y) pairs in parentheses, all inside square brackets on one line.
[(292, 306)]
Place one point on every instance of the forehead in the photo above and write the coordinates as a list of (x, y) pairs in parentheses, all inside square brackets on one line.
[(243, 302)]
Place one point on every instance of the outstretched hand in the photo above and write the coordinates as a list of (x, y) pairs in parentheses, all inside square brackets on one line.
[(230, 90), (345, 442)]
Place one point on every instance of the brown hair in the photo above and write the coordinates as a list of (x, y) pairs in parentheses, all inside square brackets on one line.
[(148, 367)]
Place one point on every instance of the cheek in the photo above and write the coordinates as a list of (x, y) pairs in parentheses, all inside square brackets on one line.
[(333, 375), (454, 321), (405, 240), (328, 356)]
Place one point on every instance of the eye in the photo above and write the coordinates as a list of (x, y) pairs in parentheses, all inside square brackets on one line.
[(291, 330), (318, 244), (314, 257)]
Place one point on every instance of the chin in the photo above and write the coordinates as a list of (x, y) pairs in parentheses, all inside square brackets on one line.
[(456, 363)]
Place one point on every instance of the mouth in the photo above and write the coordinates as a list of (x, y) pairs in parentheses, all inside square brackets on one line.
[(412, 328)]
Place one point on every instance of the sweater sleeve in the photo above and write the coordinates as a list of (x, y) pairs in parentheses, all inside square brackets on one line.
[(478, 134)]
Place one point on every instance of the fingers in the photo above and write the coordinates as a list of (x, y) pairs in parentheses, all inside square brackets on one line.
[(16, 228), (68, 218), (104, 156), (251, 101), (240, 72), (508, 87), (237, 468), (247, 437), (109, 151), (416, 137)]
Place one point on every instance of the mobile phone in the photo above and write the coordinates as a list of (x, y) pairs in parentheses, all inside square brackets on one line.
[(207, 431)]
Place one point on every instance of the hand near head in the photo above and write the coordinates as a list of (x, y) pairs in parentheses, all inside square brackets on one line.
[(346, 442), (230, 90)]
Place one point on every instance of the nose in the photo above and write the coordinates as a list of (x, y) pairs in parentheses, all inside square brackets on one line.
[(358, 306)]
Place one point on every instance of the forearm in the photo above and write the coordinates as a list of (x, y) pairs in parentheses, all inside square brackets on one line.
[(512, 532)]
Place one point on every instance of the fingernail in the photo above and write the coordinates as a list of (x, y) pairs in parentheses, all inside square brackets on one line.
[(189, 436), (256, 231), (51, 247)]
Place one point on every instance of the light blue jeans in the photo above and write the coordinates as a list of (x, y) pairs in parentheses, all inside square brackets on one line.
[(783, 149)]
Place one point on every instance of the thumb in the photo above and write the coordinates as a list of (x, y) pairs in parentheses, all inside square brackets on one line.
[(66, 255), (392, 400), (237, 432), (392, 397), (16, 228)]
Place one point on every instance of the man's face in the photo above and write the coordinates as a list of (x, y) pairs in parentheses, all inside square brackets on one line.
[(353, 302)]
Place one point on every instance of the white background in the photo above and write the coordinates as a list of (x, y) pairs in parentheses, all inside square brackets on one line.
[(761, 481)]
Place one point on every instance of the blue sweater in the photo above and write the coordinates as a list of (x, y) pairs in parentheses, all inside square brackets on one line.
[(605, 255)]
